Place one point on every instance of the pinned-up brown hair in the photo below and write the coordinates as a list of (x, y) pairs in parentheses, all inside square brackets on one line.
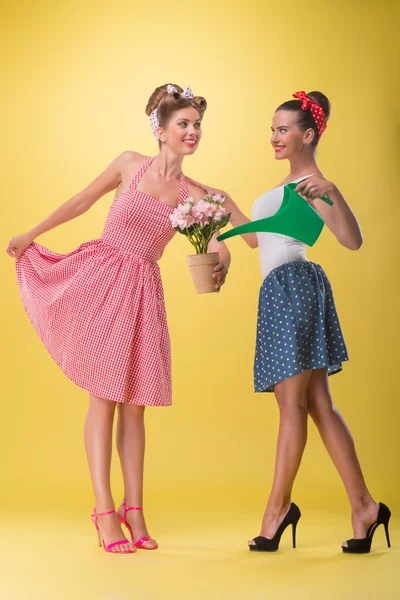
[(167, 104)]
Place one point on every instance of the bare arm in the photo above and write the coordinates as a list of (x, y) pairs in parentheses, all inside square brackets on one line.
[(221, 270), (77, 205), (237, 217), (339, 218)]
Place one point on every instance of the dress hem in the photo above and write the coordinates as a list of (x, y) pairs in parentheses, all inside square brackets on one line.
[(270, 388), (80, 385)]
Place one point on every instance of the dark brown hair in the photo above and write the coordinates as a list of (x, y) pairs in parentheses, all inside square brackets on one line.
[(305, 120)]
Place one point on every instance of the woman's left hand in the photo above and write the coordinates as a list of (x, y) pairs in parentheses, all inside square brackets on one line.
[(315, 187), (220, 273)]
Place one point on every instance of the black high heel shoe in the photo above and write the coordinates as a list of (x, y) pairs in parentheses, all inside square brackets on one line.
[(263, 544), (363, 545)]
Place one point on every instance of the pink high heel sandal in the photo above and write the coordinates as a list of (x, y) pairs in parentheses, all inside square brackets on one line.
[(139, 543), (109, 547)]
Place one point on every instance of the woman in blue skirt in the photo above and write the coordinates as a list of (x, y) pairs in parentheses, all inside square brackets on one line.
[(299, 339)]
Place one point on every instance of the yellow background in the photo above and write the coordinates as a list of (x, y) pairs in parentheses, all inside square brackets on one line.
[(76, 79)]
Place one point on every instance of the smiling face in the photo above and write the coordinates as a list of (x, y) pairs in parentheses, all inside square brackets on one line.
[(183, 132), (287, 139)]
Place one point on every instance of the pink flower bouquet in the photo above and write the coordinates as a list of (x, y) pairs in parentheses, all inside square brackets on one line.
[(198, 220)]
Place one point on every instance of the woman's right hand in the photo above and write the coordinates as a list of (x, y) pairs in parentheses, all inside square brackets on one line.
[(18, 245)]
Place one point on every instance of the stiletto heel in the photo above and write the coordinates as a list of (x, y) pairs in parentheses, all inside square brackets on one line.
[(263, 544), (387, 533), (363, 545), (294, 527), (139, 543), (109, 547)]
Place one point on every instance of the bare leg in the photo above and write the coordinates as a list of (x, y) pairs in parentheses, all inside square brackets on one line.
[(131, 445), (291, 396), (340, 445), (98, 444)]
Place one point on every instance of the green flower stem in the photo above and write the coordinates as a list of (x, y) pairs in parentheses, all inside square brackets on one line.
[(200, 240), (197, 236), (192, 240), (211, 232), (195, 241)]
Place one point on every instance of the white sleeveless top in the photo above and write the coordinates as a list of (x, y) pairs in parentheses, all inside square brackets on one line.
[(275, 249)]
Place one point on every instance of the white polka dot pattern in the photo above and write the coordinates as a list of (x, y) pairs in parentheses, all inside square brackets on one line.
[(154, 122), (316, 111), (298, 327), (100, 309)]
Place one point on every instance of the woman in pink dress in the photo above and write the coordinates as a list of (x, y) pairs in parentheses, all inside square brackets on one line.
[(100, 310)]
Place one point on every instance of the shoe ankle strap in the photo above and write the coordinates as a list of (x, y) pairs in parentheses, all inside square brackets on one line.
[(128, 508), (102, 514)]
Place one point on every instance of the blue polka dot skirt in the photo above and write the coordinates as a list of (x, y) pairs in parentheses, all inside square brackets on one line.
[(298, 327)]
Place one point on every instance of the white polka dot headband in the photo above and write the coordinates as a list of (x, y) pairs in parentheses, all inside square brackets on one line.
[(154, 122), (316, 111)]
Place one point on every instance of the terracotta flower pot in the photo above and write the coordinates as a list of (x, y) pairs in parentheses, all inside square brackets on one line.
[(202, 268)]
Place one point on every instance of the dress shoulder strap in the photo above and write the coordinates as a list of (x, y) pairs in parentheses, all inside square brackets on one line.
[(140, 173), (183, 189)]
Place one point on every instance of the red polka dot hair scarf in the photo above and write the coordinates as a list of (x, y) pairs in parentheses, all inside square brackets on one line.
[(316, 111)]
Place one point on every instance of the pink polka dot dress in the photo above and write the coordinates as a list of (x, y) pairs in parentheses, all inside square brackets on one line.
[(100, 309)]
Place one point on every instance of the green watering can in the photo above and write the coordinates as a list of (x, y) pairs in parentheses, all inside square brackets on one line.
[(295, 218)]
